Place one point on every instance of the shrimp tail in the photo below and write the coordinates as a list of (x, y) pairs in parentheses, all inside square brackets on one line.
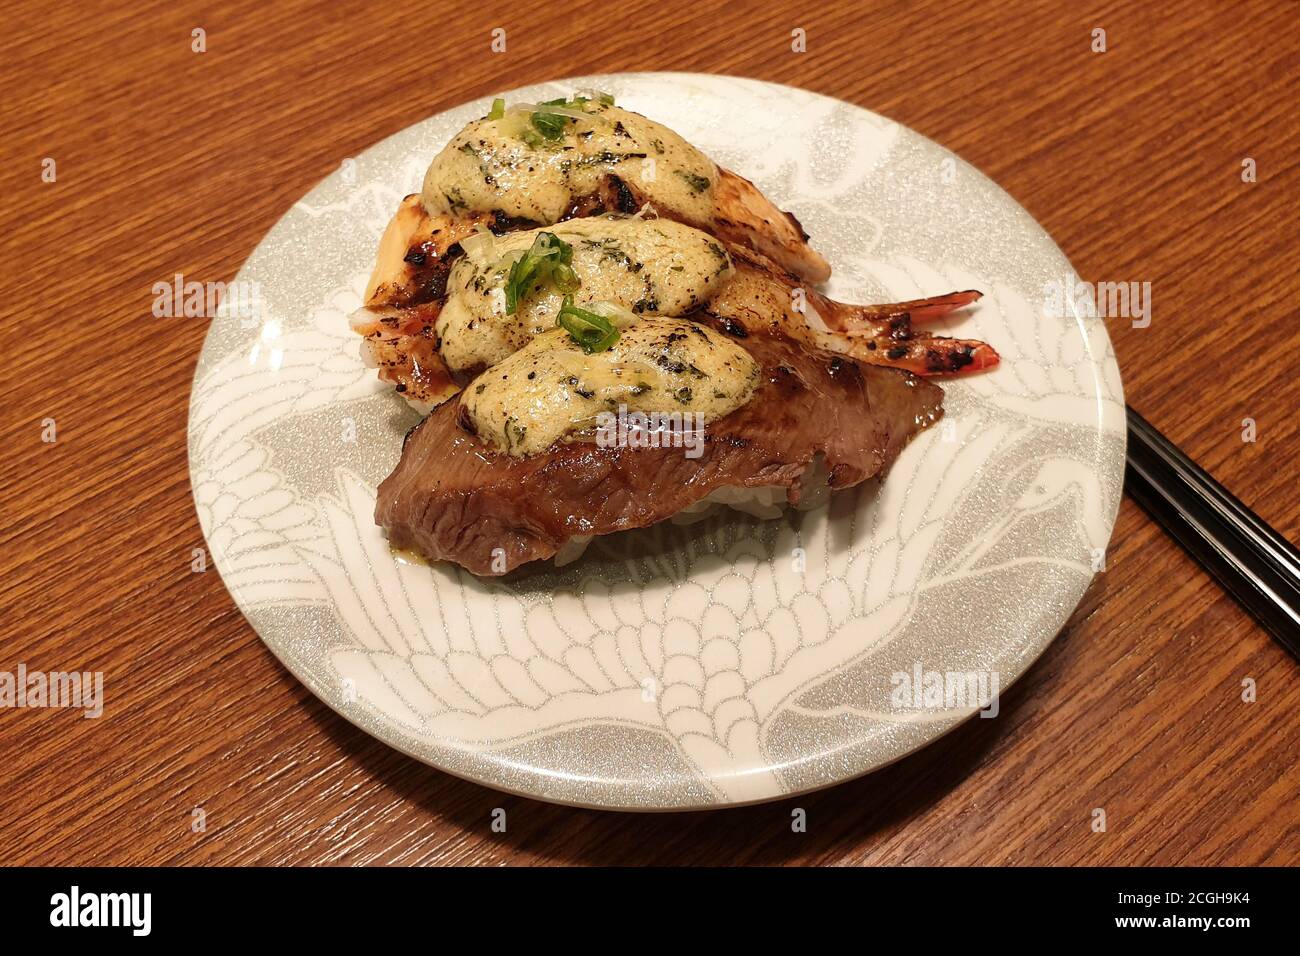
[(928, 354), (886, 335), (851, 317)]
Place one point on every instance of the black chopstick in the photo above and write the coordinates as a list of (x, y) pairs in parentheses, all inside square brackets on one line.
[(1255, 564)]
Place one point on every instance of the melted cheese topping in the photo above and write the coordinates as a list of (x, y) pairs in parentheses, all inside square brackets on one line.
[(549, 390), (649, 266), (487, 167)]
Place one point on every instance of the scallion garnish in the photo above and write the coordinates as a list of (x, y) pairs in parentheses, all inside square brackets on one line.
[(583, 96), (564, 278), (547, 122), (549, 258), (550, 125), (591, 330)]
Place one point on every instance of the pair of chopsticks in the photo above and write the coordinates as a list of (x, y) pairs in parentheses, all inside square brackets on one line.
[(1254, 563)]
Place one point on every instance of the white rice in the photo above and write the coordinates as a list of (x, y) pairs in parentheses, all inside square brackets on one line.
[(572, 549), (764, 501)]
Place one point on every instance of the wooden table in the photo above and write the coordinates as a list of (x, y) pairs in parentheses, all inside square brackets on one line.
[(173, 161)]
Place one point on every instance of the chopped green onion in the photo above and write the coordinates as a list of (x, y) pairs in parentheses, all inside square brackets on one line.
[(615, 313), (583, 96), (523, 274), (549, 258), (550, 125), (592, 331), (548, 121), (480, 247), (564, 278)]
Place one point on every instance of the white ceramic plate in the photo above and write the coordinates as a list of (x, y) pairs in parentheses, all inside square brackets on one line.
[(724, 662)]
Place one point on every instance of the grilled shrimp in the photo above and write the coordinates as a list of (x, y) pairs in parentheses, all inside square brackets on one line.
[(500, 172), (761, 293), (650, 267)]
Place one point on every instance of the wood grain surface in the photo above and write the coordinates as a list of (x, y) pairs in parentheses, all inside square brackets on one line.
[(172, 161)]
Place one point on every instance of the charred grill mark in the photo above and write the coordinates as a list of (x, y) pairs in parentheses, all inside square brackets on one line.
[(952, 358), (583, 206), (426, 275), (624, 200), (501, 223), (434, 286), (798, 226), (731, 327), (613, 193)]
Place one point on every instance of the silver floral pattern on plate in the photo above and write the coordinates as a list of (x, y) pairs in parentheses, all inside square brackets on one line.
[(726, 661)]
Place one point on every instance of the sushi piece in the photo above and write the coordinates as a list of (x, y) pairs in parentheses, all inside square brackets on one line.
[(518, 467), (502, 291), (536, 165)]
